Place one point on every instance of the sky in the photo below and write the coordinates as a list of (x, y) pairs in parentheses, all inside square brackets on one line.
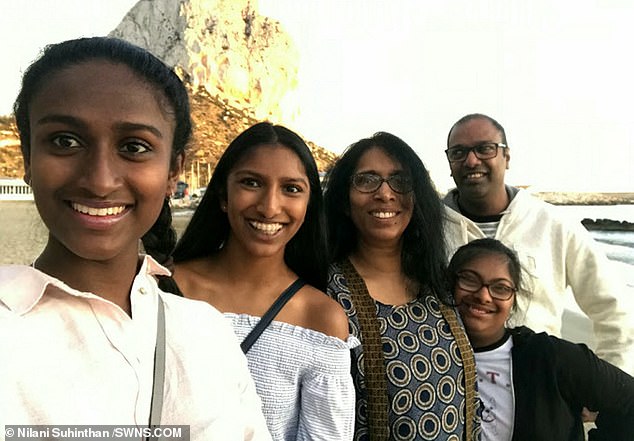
[(557, 75)]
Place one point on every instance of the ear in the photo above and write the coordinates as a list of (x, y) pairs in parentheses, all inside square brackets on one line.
[(175, 171), (507, 156)]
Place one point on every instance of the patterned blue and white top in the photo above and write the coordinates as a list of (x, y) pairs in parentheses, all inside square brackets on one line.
[(424, 368), (303, 379)]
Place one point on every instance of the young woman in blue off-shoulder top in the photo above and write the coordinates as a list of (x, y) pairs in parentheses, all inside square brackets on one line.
[(259, 229)]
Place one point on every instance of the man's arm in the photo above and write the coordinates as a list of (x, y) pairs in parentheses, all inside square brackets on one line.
[(599, 287)]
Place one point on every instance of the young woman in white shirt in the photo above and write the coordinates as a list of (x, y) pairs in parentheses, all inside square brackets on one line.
[(87, 336)]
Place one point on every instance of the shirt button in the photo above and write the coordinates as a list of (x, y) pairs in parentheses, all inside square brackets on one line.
[(142, 290)]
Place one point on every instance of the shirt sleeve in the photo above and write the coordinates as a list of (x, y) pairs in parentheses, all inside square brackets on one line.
[(599, 386), (328, 396), (601, 292)]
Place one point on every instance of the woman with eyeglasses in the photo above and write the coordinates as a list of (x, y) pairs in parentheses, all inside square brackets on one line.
[(414, 371), (532, 386)]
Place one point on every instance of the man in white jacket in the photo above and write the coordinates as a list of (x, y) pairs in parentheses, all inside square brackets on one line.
[(555, 254)]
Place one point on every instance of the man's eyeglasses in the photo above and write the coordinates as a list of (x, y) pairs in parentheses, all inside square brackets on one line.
[(485, 150), (471, 282), (371, 182)]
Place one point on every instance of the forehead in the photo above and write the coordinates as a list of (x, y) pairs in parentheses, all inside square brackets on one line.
[(274, 159), (376, 159), (489, 266), (100, 84), (473, 131)]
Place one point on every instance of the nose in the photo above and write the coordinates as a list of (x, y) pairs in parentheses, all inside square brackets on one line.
[(384, 192), (269, 203), (483, 294), (471, 160), (100, 171)]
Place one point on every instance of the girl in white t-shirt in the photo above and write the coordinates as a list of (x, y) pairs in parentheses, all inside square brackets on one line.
[(533, 386)]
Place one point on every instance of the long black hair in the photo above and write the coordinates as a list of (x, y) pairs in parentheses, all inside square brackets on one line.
[(209, 227), (423, 254), (161, 238)]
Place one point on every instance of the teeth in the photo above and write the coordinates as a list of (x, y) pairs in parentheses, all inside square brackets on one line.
[(384, 214), (477, 310), (266, 228), (92, 211), (475, 175)]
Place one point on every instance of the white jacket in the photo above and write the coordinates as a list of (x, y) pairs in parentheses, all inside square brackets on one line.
[(556, 254)]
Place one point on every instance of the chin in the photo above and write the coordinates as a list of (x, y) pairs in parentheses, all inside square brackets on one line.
[(265, 251)]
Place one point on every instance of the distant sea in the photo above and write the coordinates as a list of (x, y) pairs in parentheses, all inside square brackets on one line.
[(618, 245)]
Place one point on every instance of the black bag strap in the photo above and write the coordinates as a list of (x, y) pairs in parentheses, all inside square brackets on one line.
[(269, 315)]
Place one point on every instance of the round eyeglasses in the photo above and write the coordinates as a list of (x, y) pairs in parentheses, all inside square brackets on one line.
[(484, 150), (371, 182), (469, 281)]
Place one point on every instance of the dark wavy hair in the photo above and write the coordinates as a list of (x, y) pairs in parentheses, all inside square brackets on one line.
[(161, 238), (423, 254), (209, 227), (486, 247)]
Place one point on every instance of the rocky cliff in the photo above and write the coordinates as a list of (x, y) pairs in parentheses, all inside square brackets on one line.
[(222, 46), (239, 67), (10, 157)]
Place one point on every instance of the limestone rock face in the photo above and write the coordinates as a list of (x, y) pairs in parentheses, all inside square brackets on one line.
[(223, 46), (240, 68), (10, 154)]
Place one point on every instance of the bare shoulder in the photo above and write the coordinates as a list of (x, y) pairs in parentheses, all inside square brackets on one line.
[(321, 313)]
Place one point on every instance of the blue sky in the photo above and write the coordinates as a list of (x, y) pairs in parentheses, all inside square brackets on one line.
[(555, 74)]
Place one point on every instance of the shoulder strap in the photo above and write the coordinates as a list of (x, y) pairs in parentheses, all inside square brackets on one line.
[(269, 315), (468, 363), (156, 405), (373, 360)]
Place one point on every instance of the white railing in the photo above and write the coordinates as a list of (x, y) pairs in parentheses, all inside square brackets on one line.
[(15, 190)]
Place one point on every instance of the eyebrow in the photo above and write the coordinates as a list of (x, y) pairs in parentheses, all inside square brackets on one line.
[(374, 172), (77, 122), (246, 171), (472, 272), (475, 144)]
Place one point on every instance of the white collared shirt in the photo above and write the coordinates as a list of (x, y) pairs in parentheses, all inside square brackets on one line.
[(70, 357)]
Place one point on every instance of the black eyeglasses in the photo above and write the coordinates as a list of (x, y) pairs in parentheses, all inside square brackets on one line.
[(469, 281), (371, 182), (484, 150)]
